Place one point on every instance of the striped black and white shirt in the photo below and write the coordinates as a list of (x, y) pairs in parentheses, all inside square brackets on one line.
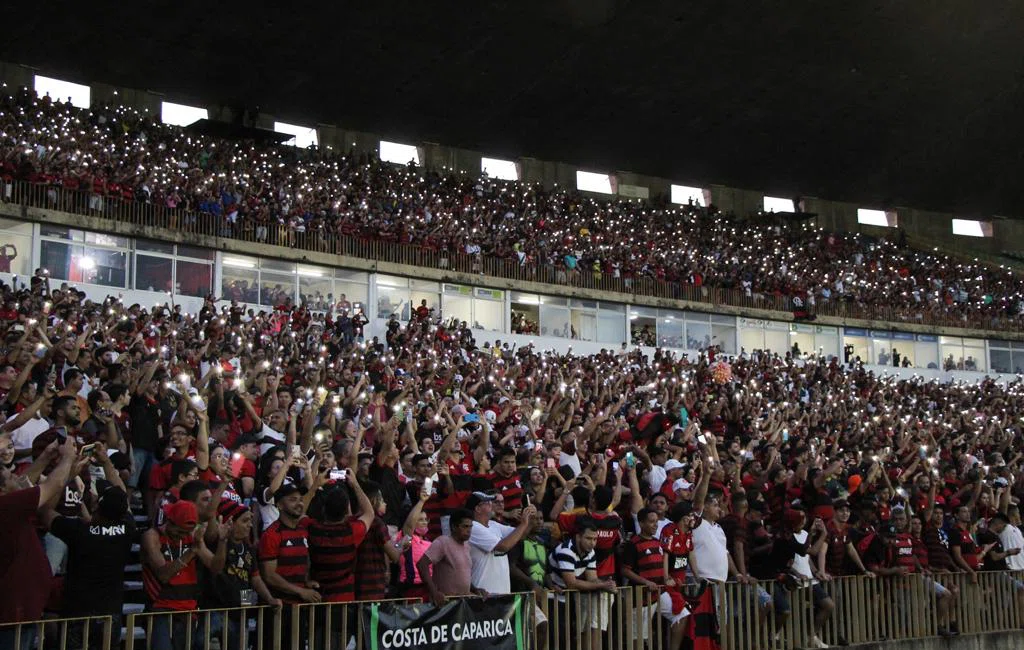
[(566, 558)]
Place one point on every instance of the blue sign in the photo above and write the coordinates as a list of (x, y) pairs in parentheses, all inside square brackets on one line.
[(903, 336), (881, 334), (927, 338), (854, 331)]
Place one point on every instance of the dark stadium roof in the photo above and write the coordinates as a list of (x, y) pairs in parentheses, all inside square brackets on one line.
[(883, 103)]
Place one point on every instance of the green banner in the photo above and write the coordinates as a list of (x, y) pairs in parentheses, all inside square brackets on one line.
[(461, 624)]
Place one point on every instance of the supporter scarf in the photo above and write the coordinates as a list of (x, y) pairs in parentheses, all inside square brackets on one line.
[(702, 624)]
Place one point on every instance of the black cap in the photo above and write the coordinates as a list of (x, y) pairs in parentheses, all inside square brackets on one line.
[(286, 490), (477, 498), (113, 503), (248, 439)]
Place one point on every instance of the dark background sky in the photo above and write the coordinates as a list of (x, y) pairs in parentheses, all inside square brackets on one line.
[(883, 103)]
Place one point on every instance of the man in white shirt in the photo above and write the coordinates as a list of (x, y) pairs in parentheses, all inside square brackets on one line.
[(26, 426), (1011, 538), (490, 542)]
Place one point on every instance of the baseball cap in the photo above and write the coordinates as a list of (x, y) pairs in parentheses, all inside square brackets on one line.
[(182, 514), (672, 464), (477, 498), (286, 490)]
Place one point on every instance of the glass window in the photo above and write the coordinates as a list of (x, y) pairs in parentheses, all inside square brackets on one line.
[(1018, 362), (926, 354), (277, 265), (392, 300), (643, 323), (497, 168), (193, 278), (670, 332), (1000, 360), (425, 285), (525, 313), (153, 273), (349, 292), (458, 307), (304, 136), (882, 352), (974, 358), (724, 319), (315, 288), (56, 232), (611, 327), (154, 246), (724, 336), (776, 341), (104, 239), (751, 339), (803, 340), (518, 297), (859, 346), (489, 315), (15, 253), (392, 281), (400, 154), (276, 288), (554, 321), (584, 324), (585, 304), (433, 301), (239, 284), (195, 252), (616, 307), (56, 258), (698, 335), (354, 276)]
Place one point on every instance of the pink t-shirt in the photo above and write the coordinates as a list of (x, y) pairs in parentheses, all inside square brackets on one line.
[(452, 566), (417, 547)]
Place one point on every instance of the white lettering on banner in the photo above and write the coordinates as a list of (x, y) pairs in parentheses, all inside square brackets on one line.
[(469, 631)]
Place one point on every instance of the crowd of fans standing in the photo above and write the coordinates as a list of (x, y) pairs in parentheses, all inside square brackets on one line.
[(280, 462), (277, 193)]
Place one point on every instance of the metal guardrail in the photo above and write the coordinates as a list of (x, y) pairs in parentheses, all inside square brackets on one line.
[(862, 610), (149, 215)]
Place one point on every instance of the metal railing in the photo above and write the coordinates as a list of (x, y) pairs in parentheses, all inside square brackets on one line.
[(194, 223), (852, 610), (97, 632)]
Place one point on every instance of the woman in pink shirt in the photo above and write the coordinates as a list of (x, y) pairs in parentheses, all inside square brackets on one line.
[(413, 543)]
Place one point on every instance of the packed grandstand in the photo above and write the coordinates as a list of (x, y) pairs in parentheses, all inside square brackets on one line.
[(244, 455)]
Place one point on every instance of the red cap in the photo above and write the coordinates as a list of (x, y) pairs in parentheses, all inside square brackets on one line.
[(182, 514)]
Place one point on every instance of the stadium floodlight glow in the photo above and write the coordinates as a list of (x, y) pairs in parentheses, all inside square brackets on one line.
[(61, 91), (684, 194), (181, 114), (775, 204), (591, 182), (506, 170), (972, 228), (304, 136), (883, 218), (400, 154)]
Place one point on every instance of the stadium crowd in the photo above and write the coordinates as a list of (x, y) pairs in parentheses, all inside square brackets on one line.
[(276, 193), (280, 460)]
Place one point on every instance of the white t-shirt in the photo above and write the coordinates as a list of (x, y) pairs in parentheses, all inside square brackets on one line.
[(1012, 538), (270, 434), (802, 563), (25, 435), (490, 571), (711, 551), (656, 477), (571, 460)]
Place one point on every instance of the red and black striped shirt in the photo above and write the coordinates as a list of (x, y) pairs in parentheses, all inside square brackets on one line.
[(371, 575), (511, 489), (646, 557), (332, 557), (181, 592), (289, 547)]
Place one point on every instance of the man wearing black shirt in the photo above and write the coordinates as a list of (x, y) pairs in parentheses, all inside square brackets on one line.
[(146, 417), (98, 551)]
